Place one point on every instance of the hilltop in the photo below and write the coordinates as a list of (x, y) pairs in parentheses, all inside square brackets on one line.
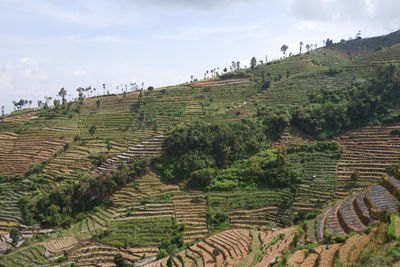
[(269, 163)]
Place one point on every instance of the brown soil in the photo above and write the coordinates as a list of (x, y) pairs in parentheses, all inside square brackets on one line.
[(297, 258), (277, 249), (328, 255)]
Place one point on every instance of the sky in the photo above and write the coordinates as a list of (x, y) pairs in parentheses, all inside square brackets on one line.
[(46, 45)]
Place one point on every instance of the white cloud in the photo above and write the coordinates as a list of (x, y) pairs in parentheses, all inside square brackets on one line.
[(365, 13), (79, 73), (200, 33), (192, 4), (88, 13)]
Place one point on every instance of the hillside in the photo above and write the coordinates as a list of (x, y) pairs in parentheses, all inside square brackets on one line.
[(281, 162)]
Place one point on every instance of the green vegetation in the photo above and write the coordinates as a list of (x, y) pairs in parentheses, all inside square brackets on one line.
[(223, 157), (61, 205), (391, 232), (220, 133), (368, 103), (143, 232)]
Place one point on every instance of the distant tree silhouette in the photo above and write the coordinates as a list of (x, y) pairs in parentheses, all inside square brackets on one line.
[(56, 103), (284, 48), (62, 93), (301, 46), (308, 47), (253, 63), (92, 130)]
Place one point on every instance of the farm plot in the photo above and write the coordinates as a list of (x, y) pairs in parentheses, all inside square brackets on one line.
[(190, 210), (317, 174), (140, 232), (29, 151), (367, 152), (251, 208)]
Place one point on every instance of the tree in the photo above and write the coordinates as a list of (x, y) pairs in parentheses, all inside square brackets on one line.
[(98, 103), (355, 177), (284, 48), (104, 89), (15, 235), (233, 65), (2, 111), (47, 99), (358, 35), (56, 103), (170, 263), (120, 261), (287, 74), (151, 88), (92, 130), (301, 46), (308, 47), (216, 251), (253, 63), (263, 75), (62, 93), (108, 144), (225, 70)]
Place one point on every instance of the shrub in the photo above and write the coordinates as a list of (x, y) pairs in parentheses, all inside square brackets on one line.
[(340, 239), (216, 218), (34, 169), (120, 261), (393, 252), (391, 232), (311, 215), (66, 147)]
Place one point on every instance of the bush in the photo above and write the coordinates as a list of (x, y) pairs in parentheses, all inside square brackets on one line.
[(34, 169), (391, 232), (66, 147), (340, 239), (311, 215), (216, 218), (393, 252)]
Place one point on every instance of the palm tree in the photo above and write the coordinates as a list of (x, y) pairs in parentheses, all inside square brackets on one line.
[(284, 48), (308, 47)]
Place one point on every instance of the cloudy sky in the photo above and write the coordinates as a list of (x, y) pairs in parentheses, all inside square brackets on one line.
[(49, 44)]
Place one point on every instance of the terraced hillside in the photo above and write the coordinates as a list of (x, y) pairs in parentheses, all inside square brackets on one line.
[(355, 213), (252, 208), (368, 152), (316, 170), (203, 226), (233, 248)]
